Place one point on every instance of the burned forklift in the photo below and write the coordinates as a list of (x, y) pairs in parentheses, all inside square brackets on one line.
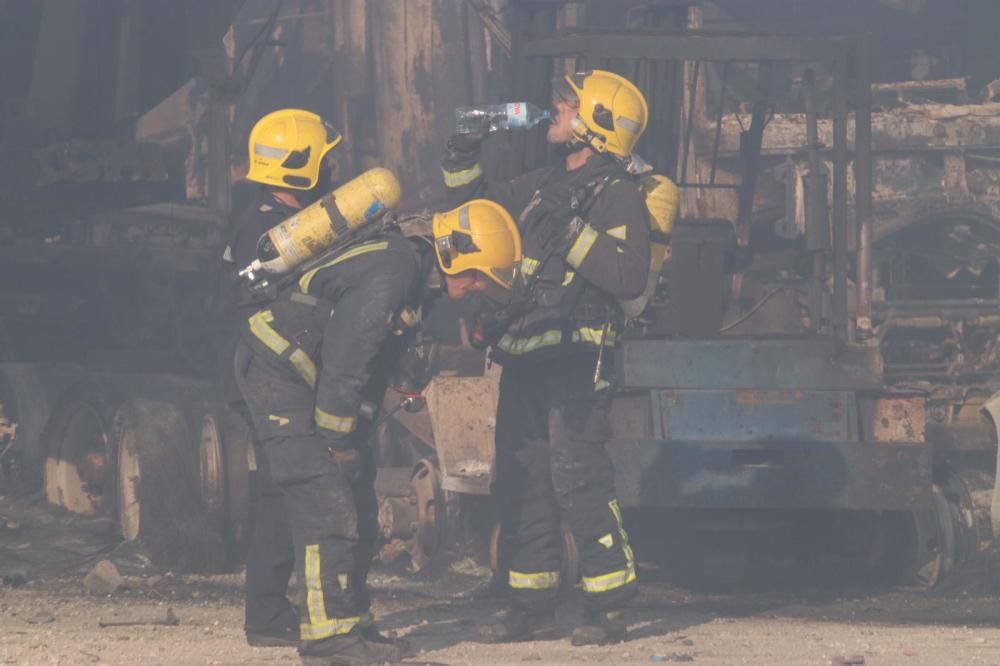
[(768, 404)]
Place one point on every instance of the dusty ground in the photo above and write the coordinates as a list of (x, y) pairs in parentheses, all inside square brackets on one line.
[(668, 625), (48, 617)]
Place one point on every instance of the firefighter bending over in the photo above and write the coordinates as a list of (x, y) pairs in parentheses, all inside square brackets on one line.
[(314, 365)]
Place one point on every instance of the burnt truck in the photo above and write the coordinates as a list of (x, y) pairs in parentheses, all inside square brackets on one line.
[(819, 357), (817, 369)]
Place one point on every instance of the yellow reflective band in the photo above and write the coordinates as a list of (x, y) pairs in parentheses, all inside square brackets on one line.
[(530, 266), (460, 178), (607, 540), (581, 247), (608, 581), (621, 233), (337, 627), (568, 277), (344, 424), (372, 246), (367, 409), (601, 385), (260, 327), (314, 588), (319, 625), (304, 365), (516, 346), (593, 336), (543, 580)]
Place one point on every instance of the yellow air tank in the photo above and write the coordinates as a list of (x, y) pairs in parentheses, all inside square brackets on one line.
[(663, 201), (334, 219)]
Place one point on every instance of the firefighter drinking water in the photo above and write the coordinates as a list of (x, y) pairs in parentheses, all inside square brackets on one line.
[(586, 243), (313, 366)]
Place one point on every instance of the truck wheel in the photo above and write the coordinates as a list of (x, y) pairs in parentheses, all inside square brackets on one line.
[(211, 469), (78, 469), (159, 504), (237, 452)]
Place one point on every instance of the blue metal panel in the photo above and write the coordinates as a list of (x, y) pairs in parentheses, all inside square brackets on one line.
[(747, 415), (765, 364), (773, 475)]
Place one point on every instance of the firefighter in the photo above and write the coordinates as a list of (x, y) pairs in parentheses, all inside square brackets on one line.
[(313, 366), (585, 235), (287, 162)]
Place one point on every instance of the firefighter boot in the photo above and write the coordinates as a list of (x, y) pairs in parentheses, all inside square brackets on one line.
[(370, 633), (287, 636), (351, 649), (517, 625), (600, 628)]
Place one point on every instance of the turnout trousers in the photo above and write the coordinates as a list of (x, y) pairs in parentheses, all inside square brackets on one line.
[(552, 469), (333, 519)]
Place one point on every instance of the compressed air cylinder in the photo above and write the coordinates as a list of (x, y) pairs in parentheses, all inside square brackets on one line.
[(663, 201), (333, 219)]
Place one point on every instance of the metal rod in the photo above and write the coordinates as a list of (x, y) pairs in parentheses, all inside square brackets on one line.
[(711, 186), (718, 123), (812, 143), (863, 183), (750, 152), (840, 314), (690, 120)]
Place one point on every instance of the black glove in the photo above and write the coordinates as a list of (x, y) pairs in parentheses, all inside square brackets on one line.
[(467, 146), (349, 461)]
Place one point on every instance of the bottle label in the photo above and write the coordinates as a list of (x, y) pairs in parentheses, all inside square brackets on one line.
[(517, 114)]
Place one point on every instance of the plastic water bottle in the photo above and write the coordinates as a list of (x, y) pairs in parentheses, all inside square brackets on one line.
[(514, 115)]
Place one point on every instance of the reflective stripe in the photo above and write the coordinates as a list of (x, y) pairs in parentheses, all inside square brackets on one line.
[(259, 326), (367, 409), (373, 246), (460, 178), (581, 247), (530, 266), (338, 627), (319, 625), (568, 277), (268, 151), (516, 346), (608, 581), (304, 365), (607, 540), (315, 602), (621, 233), (343, 424), (615, 579), (543, 580), (593, 336)]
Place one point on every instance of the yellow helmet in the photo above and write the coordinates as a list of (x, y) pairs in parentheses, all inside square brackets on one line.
[(613, 112), (478, 235), (287, 148)]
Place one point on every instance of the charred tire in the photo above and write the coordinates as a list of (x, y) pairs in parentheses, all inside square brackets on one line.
[(159, 504), (79, 470), (237, 451)]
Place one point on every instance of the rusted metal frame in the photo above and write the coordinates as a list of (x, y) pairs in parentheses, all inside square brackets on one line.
[(718, 123), (818, 255), (863, 183), (750, 152), (689, 127), (686, 45), (840, 314)]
